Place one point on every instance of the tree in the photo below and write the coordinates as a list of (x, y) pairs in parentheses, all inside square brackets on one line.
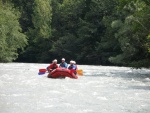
[(96, 40), (133, 31), (40, 33), (65, 20), (11, 36)]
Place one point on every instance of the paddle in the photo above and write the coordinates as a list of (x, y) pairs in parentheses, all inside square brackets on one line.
[(42, 71), (80, 72)]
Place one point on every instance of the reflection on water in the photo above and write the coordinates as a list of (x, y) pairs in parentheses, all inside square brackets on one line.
[(102, 89)]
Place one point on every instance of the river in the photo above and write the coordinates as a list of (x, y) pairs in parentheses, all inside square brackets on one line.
[(101, 89)]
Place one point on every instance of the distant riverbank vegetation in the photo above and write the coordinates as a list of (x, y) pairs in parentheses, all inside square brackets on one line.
[(93, 32)]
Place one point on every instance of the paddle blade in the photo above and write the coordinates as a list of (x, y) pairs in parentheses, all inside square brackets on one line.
[(41, 73), (80, 72), (42, 70)]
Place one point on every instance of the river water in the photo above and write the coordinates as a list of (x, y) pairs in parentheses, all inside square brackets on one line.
[(102, 89)]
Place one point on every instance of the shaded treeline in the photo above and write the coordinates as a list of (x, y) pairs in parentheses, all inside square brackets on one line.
[(100, 32)]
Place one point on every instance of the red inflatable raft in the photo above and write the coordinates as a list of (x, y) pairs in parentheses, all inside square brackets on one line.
[(62, 73)]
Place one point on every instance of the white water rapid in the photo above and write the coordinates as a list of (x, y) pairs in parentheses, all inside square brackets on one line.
[(102, 89)]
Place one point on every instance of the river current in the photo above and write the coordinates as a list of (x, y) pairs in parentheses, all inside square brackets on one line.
[(101, 89)]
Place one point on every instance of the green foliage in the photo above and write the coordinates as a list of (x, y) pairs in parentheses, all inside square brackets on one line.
[(64, 27), (94, 38), (106, 32), (132, 34), (39, 32), (41, 18), (26, 9), (11, 38)]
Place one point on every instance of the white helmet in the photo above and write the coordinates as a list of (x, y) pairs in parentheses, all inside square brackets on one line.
[(74, 62), (63, 59), (71, 62), (55, 61)]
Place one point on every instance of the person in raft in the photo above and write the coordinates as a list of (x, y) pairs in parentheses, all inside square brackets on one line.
[(52, 66), (72, 67), (63, 64), (74, 63)]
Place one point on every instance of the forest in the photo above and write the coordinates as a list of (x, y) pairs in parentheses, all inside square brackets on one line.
[(91, 32)]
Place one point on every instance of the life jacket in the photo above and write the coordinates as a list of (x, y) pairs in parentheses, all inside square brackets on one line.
[(53, 66), (72, 67), (63, 65), (76, 68)]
